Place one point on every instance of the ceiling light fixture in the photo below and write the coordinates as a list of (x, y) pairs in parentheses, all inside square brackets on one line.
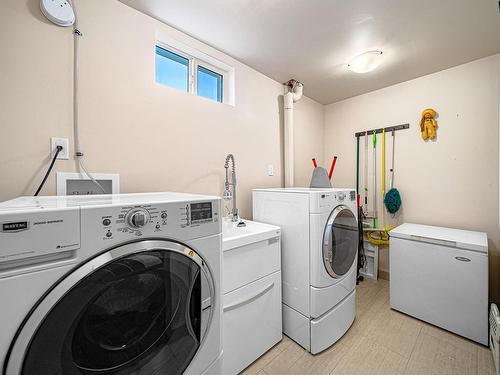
[(365, 62)]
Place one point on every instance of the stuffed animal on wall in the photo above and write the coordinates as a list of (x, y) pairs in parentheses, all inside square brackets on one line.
[(428, 124)]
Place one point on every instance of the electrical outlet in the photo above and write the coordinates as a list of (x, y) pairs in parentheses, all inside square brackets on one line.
[(63, 142), (270, 170)]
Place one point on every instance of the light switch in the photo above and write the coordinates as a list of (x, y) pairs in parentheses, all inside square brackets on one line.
[(270, 170)]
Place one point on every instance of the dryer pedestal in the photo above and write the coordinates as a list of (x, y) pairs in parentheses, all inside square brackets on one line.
[(330, 327), (316, 335)]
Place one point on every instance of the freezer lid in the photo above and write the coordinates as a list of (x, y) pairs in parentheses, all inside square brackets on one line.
[(463, 239)]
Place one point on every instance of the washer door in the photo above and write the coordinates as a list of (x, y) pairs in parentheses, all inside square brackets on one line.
[(141, 308), (340, 241)]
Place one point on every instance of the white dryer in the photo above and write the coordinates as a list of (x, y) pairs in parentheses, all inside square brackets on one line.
[(319, 260), (111, 284)]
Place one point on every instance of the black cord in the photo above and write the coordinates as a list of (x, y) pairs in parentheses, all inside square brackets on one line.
[(58, 150), (361, 245)]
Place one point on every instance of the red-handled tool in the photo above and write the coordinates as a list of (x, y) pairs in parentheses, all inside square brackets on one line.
[(315, 163), (332, 167)]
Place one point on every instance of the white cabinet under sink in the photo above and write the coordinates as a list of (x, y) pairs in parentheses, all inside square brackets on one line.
[(252, 293)]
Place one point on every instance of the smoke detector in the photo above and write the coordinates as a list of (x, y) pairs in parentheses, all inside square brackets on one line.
[(59, 12)]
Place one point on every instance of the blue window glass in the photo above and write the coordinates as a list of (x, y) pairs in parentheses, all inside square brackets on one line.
[(209, 84), (172, 69)]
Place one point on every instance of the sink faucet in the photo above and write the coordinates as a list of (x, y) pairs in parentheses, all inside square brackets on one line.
[(231, 185)]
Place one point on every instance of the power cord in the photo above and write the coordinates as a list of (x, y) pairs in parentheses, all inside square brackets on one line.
[(58, 150), (361, 245)]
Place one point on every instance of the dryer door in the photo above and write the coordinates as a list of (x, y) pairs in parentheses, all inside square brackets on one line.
[(141, 308), (340, 241)]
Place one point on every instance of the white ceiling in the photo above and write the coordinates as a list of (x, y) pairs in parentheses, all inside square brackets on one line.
[(313, 40)]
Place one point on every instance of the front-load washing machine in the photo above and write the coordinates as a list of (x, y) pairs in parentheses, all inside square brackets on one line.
[(110, 284), (319, 260)]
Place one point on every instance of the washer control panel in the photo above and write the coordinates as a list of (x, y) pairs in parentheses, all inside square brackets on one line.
[(176, 220)]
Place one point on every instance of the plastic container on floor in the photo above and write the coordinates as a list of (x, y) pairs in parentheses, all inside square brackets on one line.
[(370, 270)]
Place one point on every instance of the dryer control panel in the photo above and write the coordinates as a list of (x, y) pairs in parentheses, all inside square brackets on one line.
[(325, 201)]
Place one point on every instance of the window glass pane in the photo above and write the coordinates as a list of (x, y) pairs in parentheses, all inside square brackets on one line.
[(344, 244), (209, 84), (172, 69)]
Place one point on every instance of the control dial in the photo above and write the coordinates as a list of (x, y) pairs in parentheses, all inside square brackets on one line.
[(138, 218), (341, 196)]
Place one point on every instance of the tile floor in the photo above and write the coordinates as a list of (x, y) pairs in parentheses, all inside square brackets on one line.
[(381, 341)]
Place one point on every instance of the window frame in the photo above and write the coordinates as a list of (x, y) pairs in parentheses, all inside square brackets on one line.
[(197, 58)]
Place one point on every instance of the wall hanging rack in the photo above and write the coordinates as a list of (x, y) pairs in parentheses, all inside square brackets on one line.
[(379, 130)]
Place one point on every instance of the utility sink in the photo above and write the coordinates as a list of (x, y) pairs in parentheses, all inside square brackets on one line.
[(252, 313), (234, 235)]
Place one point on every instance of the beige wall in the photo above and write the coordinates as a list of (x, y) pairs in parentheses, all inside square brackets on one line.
[(309, 130), (450, 182), (156, 138)]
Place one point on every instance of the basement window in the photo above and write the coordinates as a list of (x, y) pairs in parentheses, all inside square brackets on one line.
[(172, 69), (193, 72), (209, 84)]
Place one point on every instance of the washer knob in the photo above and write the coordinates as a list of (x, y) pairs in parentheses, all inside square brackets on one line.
[(341, 196), (138, 219)]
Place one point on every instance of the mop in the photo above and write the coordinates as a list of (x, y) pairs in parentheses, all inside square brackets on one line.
[(357, 172), (381, 237), (361, 247), (383, 175), (365, 179), (392, 199), (374, 139)]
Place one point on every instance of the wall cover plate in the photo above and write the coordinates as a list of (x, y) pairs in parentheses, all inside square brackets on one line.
[(69, 183)]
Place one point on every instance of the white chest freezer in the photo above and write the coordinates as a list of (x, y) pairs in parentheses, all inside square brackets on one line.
[(440, 275)]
